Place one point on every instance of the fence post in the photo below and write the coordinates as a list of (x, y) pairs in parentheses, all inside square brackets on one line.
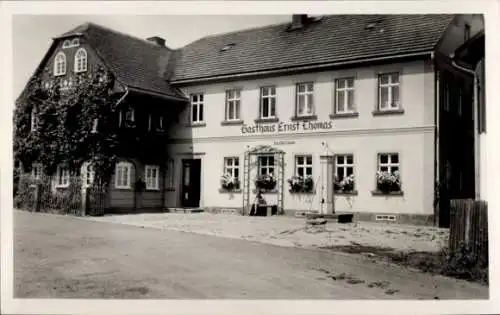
[(85, 193)]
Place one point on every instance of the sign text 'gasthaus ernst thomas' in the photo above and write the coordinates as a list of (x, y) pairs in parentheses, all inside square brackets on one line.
[(286, 127)]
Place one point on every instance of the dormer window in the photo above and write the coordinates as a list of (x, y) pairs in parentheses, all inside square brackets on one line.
[(75, 42), (66, 44), (81, 60), (60, 64)]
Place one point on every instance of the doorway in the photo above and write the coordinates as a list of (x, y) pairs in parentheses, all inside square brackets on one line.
[(191, 183)]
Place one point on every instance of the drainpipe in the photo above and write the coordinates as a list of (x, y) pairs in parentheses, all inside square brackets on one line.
[(469, 71)]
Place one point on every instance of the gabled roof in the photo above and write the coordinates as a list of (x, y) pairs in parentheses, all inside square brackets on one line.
[(137, 63), (332, 39)]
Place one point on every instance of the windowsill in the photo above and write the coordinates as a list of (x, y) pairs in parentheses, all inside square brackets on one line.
[(267, 120), (61, 186), (231, 122), (346, 193), (301, 192), (304, 118), (170, 188), (271, 191), (229, 191), (80, 71), (196, 124), (123, 188), (388, 112), (59, 74), (392, 193), (152, 190), (344, 115)]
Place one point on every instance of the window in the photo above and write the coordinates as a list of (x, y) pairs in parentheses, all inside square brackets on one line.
[(129, 116), (81, 60), (266, 165), (344, 166), (122, 175), (34, 119), (62, 177), (305, 103), (233, 100), (197, 108), (268, 102), (88, 174), (36, 171), (75, 42), (388, 162), (303, 165), (344, 96), (232, 166), (152, 177), (60, 64), (66, 44), (466, 32), (171, 173), (388, 91)]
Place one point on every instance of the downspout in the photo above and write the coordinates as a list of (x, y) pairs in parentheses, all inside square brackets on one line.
[(436, 140)]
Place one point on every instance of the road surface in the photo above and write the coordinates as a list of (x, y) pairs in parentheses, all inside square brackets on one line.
[(68, 257)]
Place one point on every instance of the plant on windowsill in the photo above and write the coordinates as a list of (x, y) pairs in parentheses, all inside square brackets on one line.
[(346, 185), (388, 183), (265, 182), (229, 182), (299, 184)]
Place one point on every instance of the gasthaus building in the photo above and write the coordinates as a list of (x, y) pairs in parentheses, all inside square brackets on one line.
[(330, 114)]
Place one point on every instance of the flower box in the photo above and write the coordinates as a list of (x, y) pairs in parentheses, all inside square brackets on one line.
[(299, 184), (265, 182), (229, 182), (346, 185), (387, 182)]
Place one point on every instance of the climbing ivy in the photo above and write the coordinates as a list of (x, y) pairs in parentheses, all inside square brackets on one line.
[(65, 132)]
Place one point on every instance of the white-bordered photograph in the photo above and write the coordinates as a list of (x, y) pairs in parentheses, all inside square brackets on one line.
[(261, 154)]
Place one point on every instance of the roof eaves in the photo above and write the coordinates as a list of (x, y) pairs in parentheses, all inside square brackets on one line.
[(162, 95), (279, 71)]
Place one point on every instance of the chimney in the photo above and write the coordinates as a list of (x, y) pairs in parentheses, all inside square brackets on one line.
[(157, 40), (299, 21)]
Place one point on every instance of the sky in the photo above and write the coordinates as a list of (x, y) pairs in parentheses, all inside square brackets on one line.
[(32, 34)]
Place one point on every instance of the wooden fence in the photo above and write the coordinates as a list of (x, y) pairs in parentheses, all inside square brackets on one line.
[(469, 225)]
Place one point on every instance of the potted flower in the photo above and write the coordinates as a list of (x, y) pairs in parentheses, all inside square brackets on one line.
[(265, 182), (347, 183), (301, 184), (229, 182), (387, 182)]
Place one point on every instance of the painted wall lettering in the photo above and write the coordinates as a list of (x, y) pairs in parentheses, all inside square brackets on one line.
[(283, 127)]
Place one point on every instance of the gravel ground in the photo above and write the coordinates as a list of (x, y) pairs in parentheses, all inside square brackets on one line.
[(292, 232)]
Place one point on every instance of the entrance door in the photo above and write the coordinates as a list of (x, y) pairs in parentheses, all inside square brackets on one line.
[(191, 183)]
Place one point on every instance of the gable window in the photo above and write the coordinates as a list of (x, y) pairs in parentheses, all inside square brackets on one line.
[(197, 108), (62, 177), (305, 99), (233, 102), (303, 165), (268, 102), (88, 174), (81, 60), (66, 44), (75, 42), (36, 172), (33, 119), (344, 96), (344, 166), (266, 165), (60, 64), (152, 177), (123, 171), (388, 91)]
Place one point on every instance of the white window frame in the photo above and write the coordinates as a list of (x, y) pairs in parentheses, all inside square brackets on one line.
[(170, 173), (66, 44), (390, 164), (75, 42), (268, 167), (152, 182), (229, 168), (198, 104), (88, 174), (81, 60), (308, 109), (304, 165), (346, 90), (119, 182), (268, 93), (62, 177), (60, 60), (234, 101), (392, 105), (36, 172), (343, 165)]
